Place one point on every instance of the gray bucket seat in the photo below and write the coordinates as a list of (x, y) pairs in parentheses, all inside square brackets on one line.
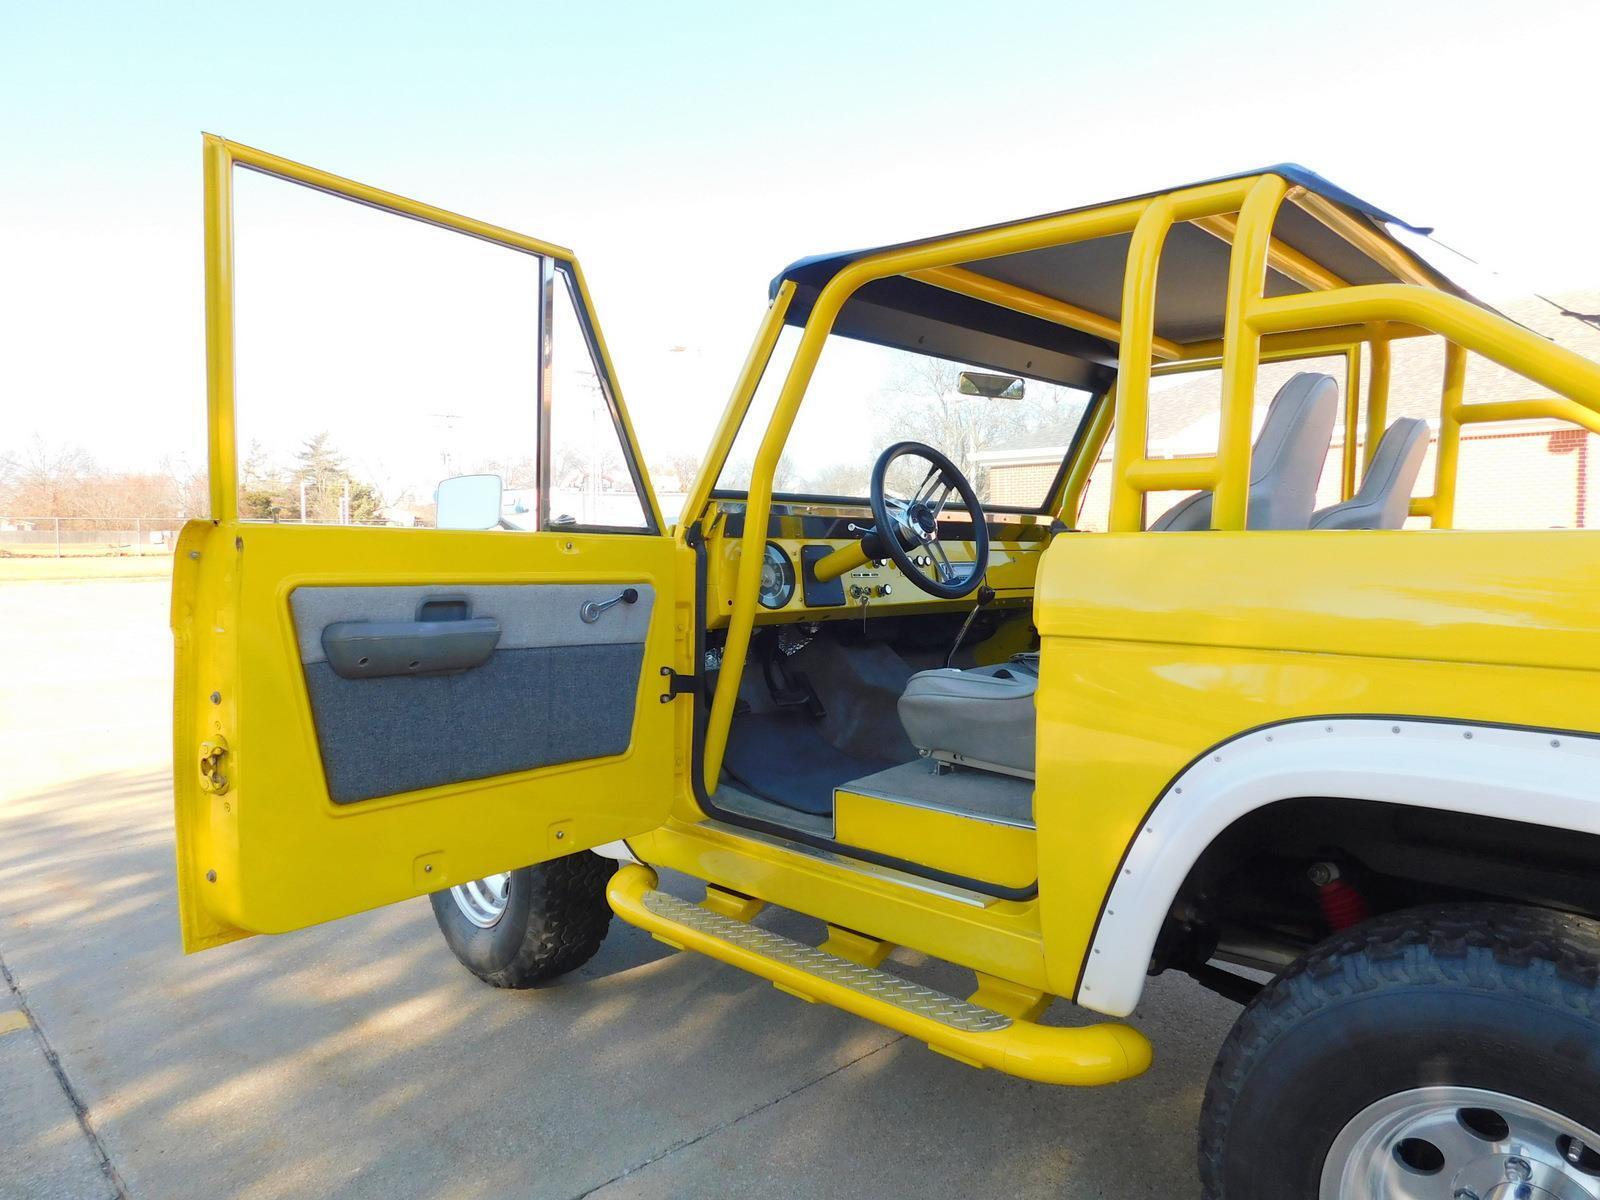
[(984, 717), (1384, 499), (1285, 465)]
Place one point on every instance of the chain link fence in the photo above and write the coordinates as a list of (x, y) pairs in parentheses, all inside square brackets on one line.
[(87, 537)]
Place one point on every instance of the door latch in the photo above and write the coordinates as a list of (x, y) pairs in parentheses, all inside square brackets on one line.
[(211, 755), (678, 685)]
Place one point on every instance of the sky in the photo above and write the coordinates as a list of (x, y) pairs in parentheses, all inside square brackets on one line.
[(687, 152)]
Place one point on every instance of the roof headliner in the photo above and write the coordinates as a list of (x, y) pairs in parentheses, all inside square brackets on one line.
[(906, 314)]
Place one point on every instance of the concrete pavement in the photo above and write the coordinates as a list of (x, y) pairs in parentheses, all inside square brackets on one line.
[(358, 1059)]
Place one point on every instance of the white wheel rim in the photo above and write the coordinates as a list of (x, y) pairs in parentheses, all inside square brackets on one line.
[(483, 901), (1454, 1143)]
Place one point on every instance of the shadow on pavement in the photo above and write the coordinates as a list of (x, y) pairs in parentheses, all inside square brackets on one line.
[(358, 1059)]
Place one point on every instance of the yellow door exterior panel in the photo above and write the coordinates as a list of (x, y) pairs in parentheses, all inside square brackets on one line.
[(272, 852)]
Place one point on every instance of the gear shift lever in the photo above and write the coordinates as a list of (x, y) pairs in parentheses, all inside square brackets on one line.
[(985, 595)]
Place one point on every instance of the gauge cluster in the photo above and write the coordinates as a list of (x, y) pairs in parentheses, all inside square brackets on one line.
[(777, 577)]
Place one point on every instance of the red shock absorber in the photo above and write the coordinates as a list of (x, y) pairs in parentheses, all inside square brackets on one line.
[(1341, 901)]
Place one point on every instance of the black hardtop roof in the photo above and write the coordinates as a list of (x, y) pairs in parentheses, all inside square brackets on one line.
[(907, 314)]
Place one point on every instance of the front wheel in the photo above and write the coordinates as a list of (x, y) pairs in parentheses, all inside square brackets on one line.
[(1449, 1052), (525, 927)]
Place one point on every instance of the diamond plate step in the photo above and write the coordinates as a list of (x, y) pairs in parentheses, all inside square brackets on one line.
[(973, 1033), (868, 981)]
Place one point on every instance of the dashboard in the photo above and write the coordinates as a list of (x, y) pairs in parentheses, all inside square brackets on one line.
[(800, 533)]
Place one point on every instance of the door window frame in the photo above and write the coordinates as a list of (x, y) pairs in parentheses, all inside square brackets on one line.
[(222, 451)]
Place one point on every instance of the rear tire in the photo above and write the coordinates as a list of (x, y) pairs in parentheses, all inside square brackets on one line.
[(552, 919), (1444, 1050)]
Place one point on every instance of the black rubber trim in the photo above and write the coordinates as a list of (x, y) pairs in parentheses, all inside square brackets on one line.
[(694, 537), (1077, 983)]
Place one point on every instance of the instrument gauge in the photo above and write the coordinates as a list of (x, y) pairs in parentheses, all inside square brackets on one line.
[(777, 577)]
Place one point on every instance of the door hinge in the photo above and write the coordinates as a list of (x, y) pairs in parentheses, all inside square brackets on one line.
[(211, 755), (678, 685)]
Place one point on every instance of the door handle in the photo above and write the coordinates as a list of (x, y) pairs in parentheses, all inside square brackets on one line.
[(589, 612), (373, 649)]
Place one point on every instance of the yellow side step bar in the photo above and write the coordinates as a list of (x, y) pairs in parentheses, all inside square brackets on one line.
[(981, 1036)]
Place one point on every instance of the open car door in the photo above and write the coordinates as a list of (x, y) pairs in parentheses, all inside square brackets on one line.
[(422, 639)]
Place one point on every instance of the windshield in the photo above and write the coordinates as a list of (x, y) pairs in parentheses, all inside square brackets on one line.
[(863, 398)]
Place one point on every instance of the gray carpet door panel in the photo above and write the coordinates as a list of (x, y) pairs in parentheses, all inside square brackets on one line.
[(563, 690)]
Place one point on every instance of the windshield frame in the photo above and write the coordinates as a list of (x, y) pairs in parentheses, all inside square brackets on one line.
[(1046, 508)]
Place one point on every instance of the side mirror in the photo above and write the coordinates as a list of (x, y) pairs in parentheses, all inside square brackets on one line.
[(990, 387), (469, 502)]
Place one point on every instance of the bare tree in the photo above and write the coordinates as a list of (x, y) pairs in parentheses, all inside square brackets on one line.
[(840, 479), (48, 480), (681, 466), (736, 474)]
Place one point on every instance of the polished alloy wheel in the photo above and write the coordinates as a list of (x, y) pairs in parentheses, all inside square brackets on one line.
[(483, 901), (1451, 1143)]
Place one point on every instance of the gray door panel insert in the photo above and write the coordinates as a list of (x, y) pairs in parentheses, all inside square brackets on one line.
[(553, 688)]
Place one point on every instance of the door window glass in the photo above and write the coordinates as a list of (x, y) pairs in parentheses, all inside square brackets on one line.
[(375, 356), (591, 474)]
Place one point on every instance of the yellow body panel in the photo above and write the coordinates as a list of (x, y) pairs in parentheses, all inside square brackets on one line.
[(957, 845), (997, 937), (1157, 647)]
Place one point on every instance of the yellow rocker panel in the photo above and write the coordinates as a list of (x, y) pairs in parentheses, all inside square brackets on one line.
[(957, 843)]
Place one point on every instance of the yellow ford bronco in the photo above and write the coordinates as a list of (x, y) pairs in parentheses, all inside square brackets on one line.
[(1068, 600)]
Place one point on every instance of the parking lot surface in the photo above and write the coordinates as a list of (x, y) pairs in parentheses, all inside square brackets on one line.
[(359, 1060)]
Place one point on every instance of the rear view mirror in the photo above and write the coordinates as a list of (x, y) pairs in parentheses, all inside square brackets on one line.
[(990, 387), (469, 502)]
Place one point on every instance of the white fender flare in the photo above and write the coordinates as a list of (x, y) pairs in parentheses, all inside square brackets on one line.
[(1540, 777)]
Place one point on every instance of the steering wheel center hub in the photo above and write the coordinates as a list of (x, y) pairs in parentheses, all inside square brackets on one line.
[(920, 519)]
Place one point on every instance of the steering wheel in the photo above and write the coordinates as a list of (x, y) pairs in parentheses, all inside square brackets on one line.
[(908, 525)]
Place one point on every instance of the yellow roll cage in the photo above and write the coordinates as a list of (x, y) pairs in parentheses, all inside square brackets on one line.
[(1333, 317)]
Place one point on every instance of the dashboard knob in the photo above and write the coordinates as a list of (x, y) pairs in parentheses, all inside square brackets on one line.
[(884, 589)]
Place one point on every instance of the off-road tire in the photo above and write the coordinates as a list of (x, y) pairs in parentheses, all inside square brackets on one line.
[(1489, 996), (555, 918)]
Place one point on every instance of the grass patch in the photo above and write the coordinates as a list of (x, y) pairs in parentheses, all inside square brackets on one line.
[(24, 570)]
